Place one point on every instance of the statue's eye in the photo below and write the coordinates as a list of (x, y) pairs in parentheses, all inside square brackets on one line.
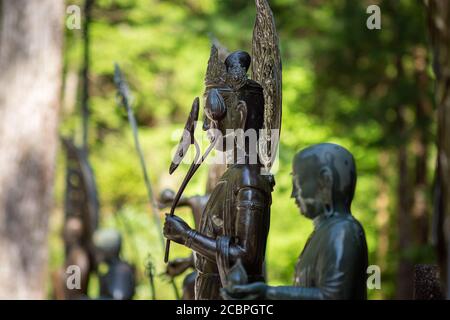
[(215, 108)]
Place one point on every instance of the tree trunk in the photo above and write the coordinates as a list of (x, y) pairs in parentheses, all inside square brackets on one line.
[(422, 122), (405, 267), (85, 72), (439, 29), (382, 205), (30, 79)]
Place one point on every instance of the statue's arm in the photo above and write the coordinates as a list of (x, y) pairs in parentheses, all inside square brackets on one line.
[(178, 266), (188, 262), (250, 237), (261, 291), (251, 231), (293, 293), (202, 244)]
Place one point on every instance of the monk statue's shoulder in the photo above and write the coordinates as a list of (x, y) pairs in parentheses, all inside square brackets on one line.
[(345, 227)]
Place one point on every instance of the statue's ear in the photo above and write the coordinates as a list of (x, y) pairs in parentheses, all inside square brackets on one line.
[(326, 186), (326, 178), (242, 109)]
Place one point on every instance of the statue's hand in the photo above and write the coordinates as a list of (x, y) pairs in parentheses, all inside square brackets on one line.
[(177, 266), (175, 229), (252, 291)]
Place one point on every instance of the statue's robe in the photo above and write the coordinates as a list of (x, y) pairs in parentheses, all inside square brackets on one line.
[(334, 262), (189, 286), (236, 218)]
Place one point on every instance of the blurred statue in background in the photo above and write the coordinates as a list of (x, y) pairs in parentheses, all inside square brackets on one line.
[(118, 282), (235, 222), (334, 261), (81, 220), (197, 204)]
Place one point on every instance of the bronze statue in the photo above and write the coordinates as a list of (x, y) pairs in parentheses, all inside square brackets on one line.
[(235, 221), (76, 254), (118, 283), (334, 261), (81, 220), (197, 204)]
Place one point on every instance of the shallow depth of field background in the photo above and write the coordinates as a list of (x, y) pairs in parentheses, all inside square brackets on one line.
[(340, 84)]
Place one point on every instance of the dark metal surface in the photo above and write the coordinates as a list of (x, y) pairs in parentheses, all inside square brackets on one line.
[(187, 138), (81, 197), (267, 71), (334, 261), (235, 222), (81, 210)]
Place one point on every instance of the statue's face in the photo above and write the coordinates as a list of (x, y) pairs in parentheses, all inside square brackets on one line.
[(107, 244), (324, 179), (311, 187), (304, 193), (237, 65), (73, 230), (232, 119)]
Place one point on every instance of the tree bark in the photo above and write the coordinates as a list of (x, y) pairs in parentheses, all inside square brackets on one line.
[(85, 93), (30, 80), (383, 216), (439, 29), (405, 267), (423, 112)]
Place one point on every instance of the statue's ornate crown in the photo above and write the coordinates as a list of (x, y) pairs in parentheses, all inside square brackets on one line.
[(216, 73)]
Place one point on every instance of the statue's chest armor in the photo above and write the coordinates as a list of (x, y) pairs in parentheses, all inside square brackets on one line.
[(213, 216)]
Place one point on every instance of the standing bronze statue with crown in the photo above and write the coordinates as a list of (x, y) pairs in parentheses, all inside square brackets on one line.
[(235, 222)]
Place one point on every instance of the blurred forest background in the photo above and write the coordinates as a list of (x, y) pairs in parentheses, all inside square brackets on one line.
[(368, 90)]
